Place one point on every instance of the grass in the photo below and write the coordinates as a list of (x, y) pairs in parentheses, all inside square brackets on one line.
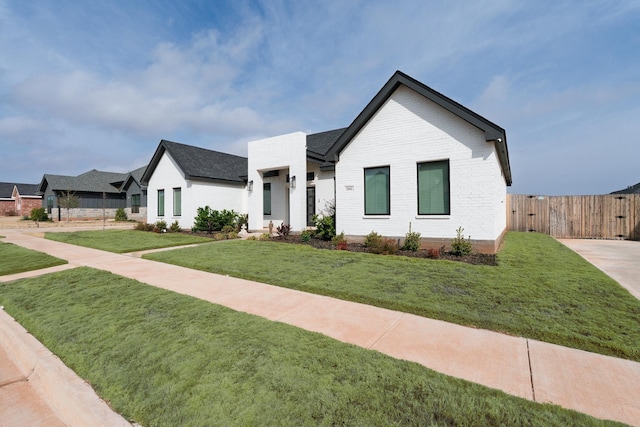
[(123, 241), (16, 259), (165, 359), (540, 289)]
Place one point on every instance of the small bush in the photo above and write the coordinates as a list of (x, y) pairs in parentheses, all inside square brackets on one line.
[(460, 246), (38, 214), (284, 230), (228, 229), (143, 226), (161, 226), (175, 227), (411, 241), (232, 235), (306, 235), (210, 220), (372, 239), (340, 242), (265, 236), (433, 253), (251, 238), (121, 215), (325, 226)]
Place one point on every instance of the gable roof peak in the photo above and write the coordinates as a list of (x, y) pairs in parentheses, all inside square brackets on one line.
[(493, 133)]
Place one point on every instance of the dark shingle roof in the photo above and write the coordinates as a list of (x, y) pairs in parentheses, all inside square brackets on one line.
[(320, 143), (92, 181), (6, 189), (200, 164), (493, 133), (634, 189)]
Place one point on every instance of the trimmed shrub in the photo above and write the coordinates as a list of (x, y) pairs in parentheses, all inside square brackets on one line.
[(265, 236), (306, 235), (161, 226), (38, 214), (460, 246), (211, 220), (175, 227), (411, 241), (121, 215), (340, 242), (325, 227), (372, 239)]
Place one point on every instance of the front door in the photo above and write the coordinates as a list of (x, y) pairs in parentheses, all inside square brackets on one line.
[(311, 205)]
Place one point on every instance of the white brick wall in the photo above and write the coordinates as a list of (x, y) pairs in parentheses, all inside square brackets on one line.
[(288, 154), (195, 194), (409, 129)]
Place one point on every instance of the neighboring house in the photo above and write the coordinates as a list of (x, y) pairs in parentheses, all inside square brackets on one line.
[(18, 199), (413, 158), (633, 189), (99, 193), (181, 178)]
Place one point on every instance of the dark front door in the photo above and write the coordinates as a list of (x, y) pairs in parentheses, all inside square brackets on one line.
[(311, 204)]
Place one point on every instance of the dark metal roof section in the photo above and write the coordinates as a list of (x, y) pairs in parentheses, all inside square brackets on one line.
[(200, 164), (634, 189), (493, 133)]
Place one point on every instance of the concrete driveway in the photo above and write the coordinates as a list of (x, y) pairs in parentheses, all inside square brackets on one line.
[(619, 259)]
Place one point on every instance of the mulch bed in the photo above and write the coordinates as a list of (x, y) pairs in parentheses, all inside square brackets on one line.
[(475, 259)]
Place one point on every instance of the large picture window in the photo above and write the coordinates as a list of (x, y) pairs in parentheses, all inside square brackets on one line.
[(377, 191), (177, 201), (433, 188), (160, 202), (135, 203), (266, 198), (49, 204)]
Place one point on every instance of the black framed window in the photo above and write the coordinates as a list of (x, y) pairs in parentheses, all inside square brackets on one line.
[(266, 198), (377, 191), (160, 202), (433, 188), (135, 203), (177, 201)]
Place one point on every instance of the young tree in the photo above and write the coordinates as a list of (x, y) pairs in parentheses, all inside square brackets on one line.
[(68, 201)]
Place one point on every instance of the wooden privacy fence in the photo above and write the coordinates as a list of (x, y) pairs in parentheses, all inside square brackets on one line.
[(611, 216)]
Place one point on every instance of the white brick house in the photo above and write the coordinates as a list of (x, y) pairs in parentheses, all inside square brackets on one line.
[(421, 159), (412, 156), (181, 178)]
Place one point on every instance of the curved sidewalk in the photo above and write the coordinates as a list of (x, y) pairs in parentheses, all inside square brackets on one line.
[(604, 387)]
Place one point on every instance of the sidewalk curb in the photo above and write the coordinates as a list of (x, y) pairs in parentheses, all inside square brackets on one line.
[(71, 399)]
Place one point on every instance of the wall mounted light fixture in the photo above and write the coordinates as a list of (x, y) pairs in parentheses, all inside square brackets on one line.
[(293, 182), (250, 185)]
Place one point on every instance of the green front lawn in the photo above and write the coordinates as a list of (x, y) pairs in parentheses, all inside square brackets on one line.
[(540, 289), (15, 259), (123, 241), (165, 359)]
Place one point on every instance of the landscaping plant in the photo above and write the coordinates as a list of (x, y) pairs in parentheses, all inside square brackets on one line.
[(211, 220), (121, 215), (459, 245), (411, 240)]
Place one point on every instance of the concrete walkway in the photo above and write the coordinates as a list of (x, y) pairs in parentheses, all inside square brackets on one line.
[(602, 386), (620, 259)]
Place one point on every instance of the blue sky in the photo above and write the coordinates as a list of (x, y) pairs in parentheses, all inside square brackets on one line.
[(97, 84)]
